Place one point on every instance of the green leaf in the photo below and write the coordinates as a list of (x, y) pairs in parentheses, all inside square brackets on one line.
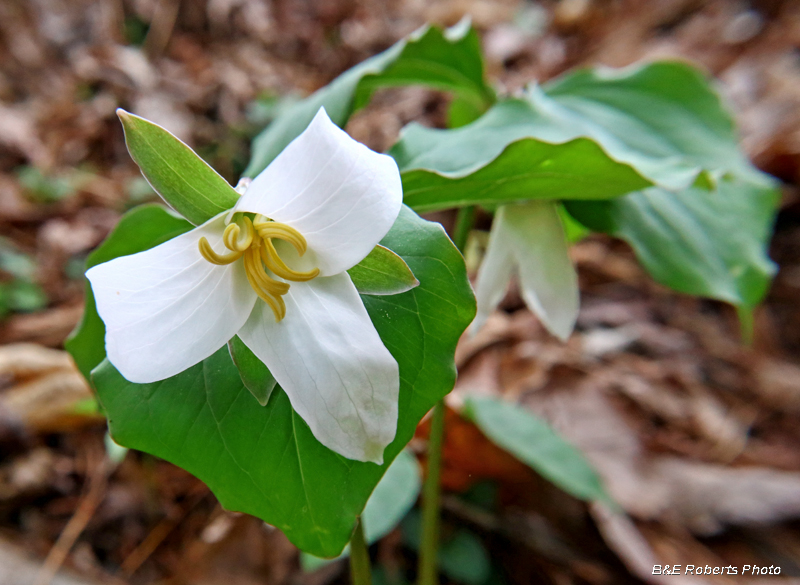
[(393, 497), (664, 118), (264, 460), (140, 229), (382, 272), (254, 374), (512, 153), (505, 156), (182, 178), (449, 60), (533, 442), (709, 243)]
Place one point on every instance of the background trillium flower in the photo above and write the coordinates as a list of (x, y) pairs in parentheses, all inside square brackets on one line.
[(529, 237), (169, 308)]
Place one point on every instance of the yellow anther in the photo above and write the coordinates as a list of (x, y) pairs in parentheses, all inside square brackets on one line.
[(272, 229), (253, 240), (236, 238), (219, 259), (270, 257), (252, 265)]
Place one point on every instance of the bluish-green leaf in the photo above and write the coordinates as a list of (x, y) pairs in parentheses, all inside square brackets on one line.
[(182, 178), (532, 441), (708, 243), (526, 169), (255, 376), (449, 60), (264, 460), (382, 272), (664, 118), (140, 229)]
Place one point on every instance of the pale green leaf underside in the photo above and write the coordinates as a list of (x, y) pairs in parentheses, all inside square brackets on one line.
[(526, 169), (700, 242), (532, 441)]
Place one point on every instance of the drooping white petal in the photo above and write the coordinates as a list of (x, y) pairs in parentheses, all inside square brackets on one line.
[(340, 195), (167, 308), (548, 281), (330, 361), (493, 275)]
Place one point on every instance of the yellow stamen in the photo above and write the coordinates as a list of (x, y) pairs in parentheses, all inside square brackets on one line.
[(253, 240), (238, 239), (272, 229), (274, 302), (219, 259), (270, 256)]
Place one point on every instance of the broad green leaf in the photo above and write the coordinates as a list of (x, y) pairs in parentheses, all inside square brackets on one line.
[(449, 60), (382, 272), (140, 229), (255, 376), (532, 441), (664, 118), (499, 159), (184, 180), (709, 243), (393, 497), (264, 460), (526, 169)]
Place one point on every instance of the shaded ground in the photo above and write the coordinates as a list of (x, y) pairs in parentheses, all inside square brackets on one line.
[(695, 435)]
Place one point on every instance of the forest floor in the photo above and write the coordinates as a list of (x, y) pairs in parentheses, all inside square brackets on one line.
[(696, 435)]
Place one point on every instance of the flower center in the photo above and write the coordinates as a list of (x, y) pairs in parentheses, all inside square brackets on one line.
[(253, 241)]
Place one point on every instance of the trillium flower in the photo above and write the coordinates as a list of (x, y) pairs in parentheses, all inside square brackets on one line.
[(529, 238), (273, 270)]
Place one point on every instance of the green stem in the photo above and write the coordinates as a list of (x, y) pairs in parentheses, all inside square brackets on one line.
[(431, 491), (360, 573), (464, 221), (431, 497)]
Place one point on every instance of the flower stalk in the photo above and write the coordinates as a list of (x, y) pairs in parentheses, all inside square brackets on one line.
[(431, 495), (360, 573)]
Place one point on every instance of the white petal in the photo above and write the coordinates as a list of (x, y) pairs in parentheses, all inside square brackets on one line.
[(547, 278), (167, 308), (339, 194), (328, 357), (493, 275)]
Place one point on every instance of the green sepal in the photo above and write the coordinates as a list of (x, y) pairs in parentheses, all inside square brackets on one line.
[(382, 272), (255, 375), (184, 180)]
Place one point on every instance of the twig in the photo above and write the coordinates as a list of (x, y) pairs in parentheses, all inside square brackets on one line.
[(157, 535), (97, 484)]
